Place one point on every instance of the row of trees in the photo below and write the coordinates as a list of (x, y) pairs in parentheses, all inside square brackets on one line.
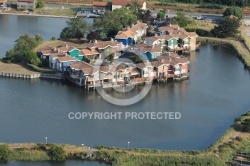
[(23, 50), (240, 3), (229, 25), (106, 26)]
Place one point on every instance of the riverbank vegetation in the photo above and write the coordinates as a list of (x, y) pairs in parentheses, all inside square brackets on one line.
[(225, 151), (23, 54), (239, 48), (76, 28), (23, 50)]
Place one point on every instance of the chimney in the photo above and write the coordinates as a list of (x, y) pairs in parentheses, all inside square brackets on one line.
[(170, 25), (156, 34), (95, 41), (112, 39)]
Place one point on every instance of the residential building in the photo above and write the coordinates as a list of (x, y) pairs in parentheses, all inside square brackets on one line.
[(83, 74), (116, 4), (178, 36), (26, 4), (132, 35), (3, 3), (101, 6), (71, 51), (63, 62), (149, 52), (146, 70), (105, 48)]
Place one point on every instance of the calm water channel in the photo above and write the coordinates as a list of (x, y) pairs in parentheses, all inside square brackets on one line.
[(216, 93)]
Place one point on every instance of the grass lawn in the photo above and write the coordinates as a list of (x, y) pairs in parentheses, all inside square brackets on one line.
[(14, 68)]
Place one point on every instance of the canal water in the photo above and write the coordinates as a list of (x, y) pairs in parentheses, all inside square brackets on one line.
[(12, 27), (216, 93)]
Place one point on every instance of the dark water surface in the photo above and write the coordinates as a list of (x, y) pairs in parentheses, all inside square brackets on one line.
[(216, 93), (12, 27)]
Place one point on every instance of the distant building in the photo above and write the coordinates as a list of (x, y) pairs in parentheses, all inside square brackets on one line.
[(103, 6), (116, 4), (3, 3), (26, 4)]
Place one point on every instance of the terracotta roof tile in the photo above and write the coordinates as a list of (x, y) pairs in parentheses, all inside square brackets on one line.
[(102, 44), (87, 51), (85, 67), (97, 3), (146, 48)]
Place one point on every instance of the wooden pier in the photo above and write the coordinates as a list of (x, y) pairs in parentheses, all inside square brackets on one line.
[(32, 76)]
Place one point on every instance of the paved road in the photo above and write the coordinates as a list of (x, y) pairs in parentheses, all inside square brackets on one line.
[(209, 15)]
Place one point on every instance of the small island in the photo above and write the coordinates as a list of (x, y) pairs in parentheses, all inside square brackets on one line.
[(127, 47)]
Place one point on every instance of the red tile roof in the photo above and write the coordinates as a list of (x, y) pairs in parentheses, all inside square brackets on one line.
[(85, 67), (103, 4), (87, 51), (102, 44), (146, 48)]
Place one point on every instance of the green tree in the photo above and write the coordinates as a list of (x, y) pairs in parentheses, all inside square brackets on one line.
[(23, 47), (76, 28), (93, 36), (236, 11), (112, 22), (181, 20), (39, 38), (32, 58), (228, 27), (4, 153), (160, 15), (56, 153), (40, 4)]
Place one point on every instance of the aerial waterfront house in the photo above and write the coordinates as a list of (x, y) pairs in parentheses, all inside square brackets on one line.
[(178, 38), (71, 51), (83, 74), (105, 48), (177, 66), (63, 62), (149, 52), (162, 68), (131, 35), (146, 70), (90, 54), (45, 53), (101, 6), (26, 4), (116, 4)]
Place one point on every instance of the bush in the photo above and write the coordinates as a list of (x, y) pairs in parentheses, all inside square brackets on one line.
[(239, 139), (210, 6), (40, 4), (56, 153), (4, 153), (203, 32)]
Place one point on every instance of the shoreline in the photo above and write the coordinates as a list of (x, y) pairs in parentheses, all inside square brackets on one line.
[(36, 15), (219, 153), (239, 48)]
